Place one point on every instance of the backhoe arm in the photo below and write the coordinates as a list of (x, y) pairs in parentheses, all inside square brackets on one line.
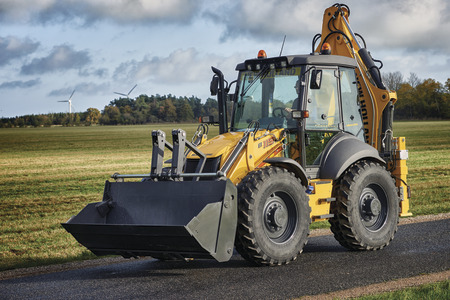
[(375, 98), (373, 95)]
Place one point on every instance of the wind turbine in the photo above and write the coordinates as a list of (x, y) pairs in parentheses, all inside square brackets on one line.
[(70, 102), (126, 95)]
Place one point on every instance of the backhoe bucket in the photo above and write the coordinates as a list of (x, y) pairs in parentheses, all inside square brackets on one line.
[(164, 219)]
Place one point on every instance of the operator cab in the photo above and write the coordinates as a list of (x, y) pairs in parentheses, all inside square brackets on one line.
[(269, 90)]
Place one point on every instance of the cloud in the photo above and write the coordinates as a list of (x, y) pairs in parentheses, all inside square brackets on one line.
[(86, 88), (61, 58), (88, 11), (101, 73), (421, 63), (268, 19), (408, 24), (180, 66), (13, 48), (414, 25), (20, 84)]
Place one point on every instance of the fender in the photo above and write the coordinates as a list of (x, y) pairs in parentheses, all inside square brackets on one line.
[(342, 151), (291, 165)]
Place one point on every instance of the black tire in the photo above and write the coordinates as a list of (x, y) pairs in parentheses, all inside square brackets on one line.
[(366, 211), (274, 217)]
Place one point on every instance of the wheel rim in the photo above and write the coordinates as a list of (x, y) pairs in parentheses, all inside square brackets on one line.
[(373, 207), (280, 217)]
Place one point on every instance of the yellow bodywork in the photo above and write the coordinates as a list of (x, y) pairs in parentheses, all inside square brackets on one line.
[(400, 170), (261, 146), (266, 144), (320, 199)]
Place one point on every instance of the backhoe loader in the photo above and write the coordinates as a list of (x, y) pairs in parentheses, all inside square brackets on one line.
[(309, 139)]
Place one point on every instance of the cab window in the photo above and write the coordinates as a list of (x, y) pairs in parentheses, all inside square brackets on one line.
[(323, 105), (351, 111), (324, 116)]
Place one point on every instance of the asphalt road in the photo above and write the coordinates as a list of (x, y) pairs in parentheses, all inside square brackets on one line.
[(324, 266)]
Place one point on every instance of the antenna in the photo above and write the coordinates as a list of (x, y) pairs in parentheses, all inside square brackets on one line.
[(282, 45), (70, 102), (126, 95)]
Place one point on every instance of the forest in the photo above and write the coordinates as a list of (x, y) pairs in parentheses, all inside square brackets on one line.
[(125, 111), (417, 100)]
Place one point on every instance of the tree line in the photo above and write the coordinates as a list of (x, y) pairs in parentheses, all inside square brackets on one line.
[(417, 100), (125, 111)]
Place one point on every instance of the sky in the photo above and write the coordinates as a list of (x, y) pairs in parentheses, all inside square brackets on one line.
[(49, 48)]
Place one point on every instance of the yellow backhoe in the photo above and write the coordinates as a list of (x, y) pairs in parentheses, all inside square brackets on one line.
[(309, 139)]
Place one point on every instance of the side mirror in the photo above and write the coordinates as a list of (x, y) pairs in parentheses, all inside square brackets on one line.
[(316, 79), (214, 86)]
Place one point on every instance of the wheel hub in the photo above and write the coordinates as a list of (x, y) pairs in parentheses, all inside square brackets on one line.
[(279, 217), (276, 217), (371, 206)]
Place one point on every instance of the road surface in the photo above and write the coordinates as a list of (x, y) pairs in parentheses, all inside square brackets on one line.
[(324, 267)]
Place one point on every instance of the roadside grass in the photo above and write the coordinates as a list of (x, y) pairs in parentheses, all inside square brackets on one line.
[(432, 291), (428, 144), (50, 174)]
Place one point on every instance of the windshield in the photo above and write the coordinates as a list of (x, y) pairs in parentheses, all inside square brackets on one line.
[(267, 97)]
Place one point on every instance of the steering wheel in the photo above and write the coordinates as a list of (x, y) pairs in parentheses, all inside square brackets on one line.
[(282, 113)]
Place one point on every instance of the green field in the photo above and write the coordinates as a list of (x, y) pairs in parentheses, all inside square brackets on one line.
[(49, 174), (432, 291)]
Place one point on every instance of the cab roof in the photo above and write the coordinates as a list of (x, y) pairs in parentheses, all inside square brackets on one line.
[(295, 60)]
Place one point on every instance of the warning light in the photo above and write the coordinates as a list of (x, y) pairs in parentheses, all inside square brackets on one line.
[(305, 114), (262, 54), (326, 49)]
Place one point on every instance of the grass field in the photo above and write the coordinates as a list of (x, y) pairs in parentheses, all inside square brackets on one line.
[(432, 291), (49, 174)]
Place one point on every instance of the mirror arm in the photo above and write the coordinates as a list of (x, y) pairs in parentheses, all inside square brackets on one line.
[(221, 99)]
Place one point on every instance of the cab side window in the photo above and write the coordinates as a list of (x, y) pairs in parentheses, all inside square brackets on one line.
[(351, 111), (324, 116), (323, 105)]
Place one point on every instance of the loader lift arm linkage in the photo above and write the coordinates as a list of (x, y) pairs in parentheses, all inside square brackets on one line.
[(309, 138)]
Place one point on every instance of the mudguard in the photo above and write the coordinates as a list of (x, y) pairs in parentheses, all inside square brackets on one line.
[(342, 151), (291, 165)]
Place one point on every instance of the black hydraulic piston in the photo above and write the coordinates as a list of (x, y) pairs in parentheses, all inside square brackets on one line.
[(371, 67)]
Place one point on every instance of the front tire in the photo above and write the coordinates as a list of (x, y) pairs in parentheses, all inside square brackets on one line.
[(274, 217), (366, 208)]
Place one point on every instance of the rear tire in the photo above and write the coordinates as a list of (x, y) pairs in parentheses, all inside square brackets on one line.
[(273, 218), (366, 208)]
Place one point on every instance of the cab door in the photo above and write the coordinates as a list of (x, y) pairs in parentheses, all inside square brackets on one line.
[(324, 121)]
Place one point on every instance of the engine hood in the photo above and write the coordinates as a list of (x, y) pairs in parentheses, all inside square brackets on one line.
[(219, 145)]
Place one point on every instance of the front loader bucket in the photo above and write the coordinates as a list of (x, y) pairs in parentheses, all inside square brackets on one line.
[(185, 219)]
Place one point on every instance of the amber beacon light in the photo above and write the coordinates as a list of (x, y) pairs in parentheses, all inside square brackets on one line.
[(262, 54), (326, 49)]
